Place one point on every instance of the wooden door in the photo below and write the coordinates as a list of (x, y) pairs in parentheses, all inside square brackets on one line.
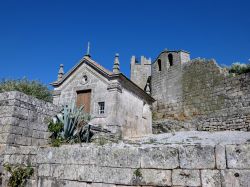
[(84, 99)]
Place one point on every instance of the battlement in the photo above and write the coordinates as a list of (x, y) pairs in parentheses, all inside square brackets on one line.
[(143, 61), (140, 71), (172, 57)]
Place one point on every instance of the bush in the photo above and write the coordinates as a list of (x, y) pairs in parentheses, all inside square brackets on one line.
[(19, 174), (56, 129), (239, 68), (33, 88)]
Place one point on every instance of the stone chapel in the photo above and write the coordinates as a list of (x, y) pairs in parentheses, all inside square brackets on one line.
[(116, 103)]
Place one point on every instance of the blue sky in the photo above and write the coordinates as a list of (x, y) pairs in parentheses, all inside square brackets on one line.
[(37, 36)]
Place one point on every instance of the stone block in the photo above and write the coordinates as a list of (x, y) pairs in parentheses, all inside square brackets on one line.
[(220, 155), (238, 156), (67, 155), (115, 156), (197, 157), (235, 178), (155, 177), (31, 183), (210, 178), (26, 150), (70, 172), (44, 170), (122, 176), (48, 182), (163, 157), (89, 173), (186, 177), (57, 171), (4, 137)]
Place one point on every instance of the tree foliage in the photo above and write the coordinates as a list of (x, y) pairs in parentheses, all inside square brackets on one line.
[(29, 87)]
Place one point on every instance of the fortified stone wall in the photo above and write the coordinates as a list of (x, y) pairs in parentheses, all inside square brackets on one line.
[(127, 165), (208, 97), (167, 90), (23, 119), (166, 81)]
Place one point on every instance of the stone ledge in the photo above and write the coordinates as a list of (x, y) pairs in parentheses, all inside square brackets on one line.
[(137, 164)]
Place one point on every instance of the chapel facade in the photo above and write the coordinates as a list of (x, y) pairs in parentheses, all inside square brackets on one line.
[(116, 103)]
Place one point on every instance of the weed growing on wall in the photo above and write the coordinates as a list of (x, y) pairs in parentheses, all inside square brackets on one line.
[(19, 174), (137, 176)]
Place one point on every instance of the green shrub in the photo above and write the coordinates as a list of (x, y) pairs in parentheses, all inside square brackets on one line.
[(56, 129), (19, 174), (33, 88), (138, 173), (57, 142), (239, 68)]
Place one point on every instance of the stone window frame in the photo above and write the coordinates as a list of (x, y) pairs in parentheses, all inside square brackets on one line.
[(96, 108), (101, 108)]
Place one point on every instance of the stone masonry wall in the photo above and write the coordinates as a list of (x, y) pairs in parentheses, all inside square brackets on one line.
[(23, 119), (135, 165), (140, 71), (166, 85), (209, 98)]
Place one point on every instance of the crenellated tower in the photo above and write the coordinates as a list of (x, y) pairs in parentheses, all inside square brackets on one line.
[(140, 71), (166, 78)]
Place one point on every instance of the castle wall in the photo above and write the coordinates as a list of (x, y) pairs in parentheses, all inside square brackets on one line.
[(208, 97), (166, 85), (130, 165), (223, 102), (23, 119)]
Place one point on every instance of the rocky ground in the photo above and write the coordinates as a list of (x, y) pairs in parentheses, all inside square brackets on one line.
[(196, 137)]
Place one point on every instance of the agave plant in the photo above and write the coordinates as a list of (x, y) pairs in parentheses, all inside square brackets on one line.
[(75, 123)]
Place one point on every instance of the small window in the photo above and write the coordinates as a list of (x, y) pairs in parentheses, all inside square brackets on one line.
[(101, 107), (170, 59), (159, 64)]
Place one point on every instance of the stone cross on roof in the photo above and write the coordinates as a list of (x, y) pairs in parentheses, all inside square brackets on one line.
[(88, 50)]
